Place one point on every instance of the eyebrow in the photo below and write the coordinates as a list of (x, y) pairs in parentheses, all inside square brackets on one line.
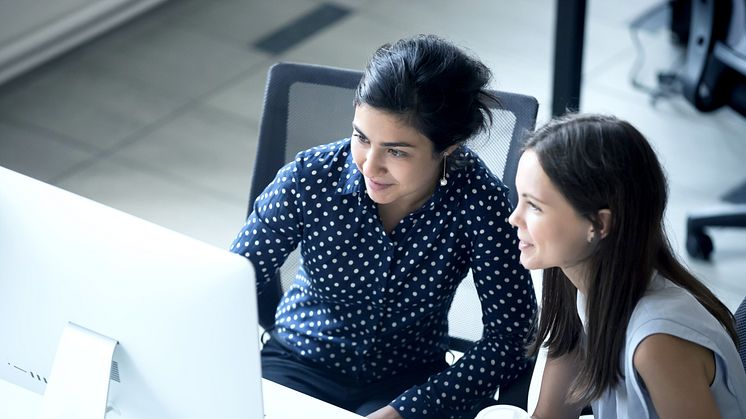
[(389, 144), (527, 195)]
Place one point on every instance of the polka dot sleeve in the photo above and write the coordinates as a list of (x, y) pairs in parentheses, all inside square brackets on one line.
[(508, 308), (274, 228)]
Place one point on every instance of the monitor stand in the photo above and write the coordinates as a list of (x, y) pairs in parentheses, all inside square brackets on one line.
[(78, 385)]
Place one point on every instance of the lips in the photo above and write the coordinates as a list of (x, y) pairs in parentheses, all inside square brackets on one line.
[(376, 186), (522, 245)]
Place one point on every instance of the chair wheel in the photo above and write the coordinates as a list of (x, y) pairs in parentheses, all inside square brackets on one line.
[(699, 245)]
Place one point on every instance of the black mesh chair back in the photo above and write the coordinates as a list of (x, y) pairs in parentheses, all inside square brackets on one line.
[(307, 105), (741, 330), (304, 106)]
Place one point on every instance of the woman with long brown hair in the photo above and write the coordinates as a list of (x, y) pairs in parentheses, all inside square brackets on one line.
[(628, 328)]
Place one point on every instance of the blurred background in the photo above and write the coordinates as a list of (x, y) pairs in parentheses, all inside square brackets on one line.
[(152, 107)]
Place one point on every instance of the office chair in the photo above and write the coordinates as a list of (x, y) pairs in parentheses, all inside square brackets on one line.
[(741, 330), (714, 75), (307, 105)]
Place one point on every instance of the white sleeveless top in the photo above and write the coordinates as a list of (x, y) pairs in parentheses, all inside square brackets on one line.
[(668, 308)]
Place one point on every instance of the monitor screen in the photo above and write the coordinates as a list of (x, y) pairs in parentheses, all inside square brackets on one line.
[(183, 312)]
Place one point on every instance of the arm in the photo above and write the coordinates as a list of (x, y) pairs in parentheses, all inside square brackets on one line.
[(557, 378), (274, 226), (677, 374), (508, 305), (386, 412)]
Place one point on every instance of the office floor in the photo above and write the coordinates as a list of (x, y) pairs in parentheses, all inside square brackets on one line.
[(159, 117)]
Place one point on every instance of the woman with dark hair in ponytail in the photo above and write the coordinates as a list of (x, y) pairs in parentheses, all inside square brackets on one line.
[(389, 222), (628, 328)]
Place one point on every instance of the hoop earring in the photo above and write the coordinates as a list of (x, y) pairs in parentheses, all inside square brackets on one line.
[(443, 180)]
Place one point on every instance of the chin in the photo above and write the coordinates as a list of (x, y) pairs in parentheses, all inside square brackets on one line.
[(530, 264), (380, 198)]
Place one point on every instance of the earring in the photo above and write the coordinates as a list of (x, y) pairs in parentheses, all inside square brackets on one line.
[(443, 180), (591, 237)]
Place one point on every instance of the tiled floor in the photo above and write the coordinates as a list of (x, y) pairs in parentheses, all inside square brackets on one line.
[(159, 117)]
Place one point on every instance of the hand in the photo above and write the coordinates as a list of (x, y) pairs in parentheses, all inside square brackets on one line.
[(386, 412)]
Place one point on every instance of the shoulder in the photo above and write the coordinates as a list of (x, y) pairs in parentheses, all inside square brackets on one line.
[(325, 156), (480, 200), (476, 181), (675, 348), (669, 320), (664, 300), (318, 162)]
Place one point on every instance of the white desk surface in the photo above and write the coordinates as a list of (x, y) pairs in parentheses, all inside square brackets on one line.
[(284, 403), (279, 403)]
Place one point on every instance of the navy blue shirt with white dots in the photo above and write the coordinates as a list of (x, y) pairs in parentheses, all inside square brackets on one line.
[(369, 305)]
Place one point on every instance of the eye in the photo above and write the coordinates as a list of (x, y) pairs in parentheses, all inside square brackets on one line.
[(360, 137), (397, 153), (533, 206)]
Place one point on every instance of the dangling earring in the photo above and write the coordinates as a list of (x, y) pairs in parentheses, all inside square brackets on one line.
[(443, 180)]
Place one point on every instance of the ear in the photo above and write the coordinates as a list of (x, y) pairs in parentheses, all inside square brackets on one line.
[(451, 149), (604, 222)]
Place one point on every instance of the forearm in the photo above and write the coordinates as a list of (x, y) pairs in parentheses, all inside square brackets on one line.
[(386, 412), (557, 378), (467, 383)]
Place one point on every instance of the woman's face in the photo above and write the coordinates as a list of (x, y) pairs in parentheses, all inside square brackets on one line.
[(551, 232), (396, 160)]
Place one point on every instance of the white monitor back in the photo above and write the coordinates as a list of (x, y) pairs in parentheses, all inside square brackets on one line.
[(183, 312)]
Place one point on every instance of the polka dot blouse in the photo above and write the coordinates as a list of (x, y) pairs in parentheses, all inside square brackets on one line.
[(369, 305)]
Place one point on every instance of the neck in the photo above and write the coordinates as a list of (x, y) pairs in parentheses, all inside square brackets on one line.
[(578, 274), (393, 212)]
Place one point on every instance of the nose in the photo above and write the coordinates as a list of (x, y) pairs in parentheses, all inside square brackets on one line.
[(515, 217), (374, 163)]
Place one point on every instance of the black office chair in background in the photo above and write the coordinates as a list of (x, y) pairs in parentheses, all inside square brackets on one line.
[(715, 75), (307, 105), (741, 330)]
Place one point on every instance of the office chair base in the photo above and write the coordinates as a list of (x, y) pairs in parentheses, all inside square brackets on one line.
[(699, 245)]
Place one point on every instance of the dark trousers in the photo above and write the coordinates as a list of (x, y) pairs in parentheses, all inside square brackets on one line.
[(285, 368)]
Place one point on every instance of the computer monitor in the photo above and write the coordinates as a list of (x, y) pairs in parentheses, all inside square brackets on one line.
[(183, 312)]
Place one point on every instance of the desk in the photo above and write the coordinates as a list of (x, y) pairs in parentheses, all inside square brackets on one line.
[(279, 403)]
